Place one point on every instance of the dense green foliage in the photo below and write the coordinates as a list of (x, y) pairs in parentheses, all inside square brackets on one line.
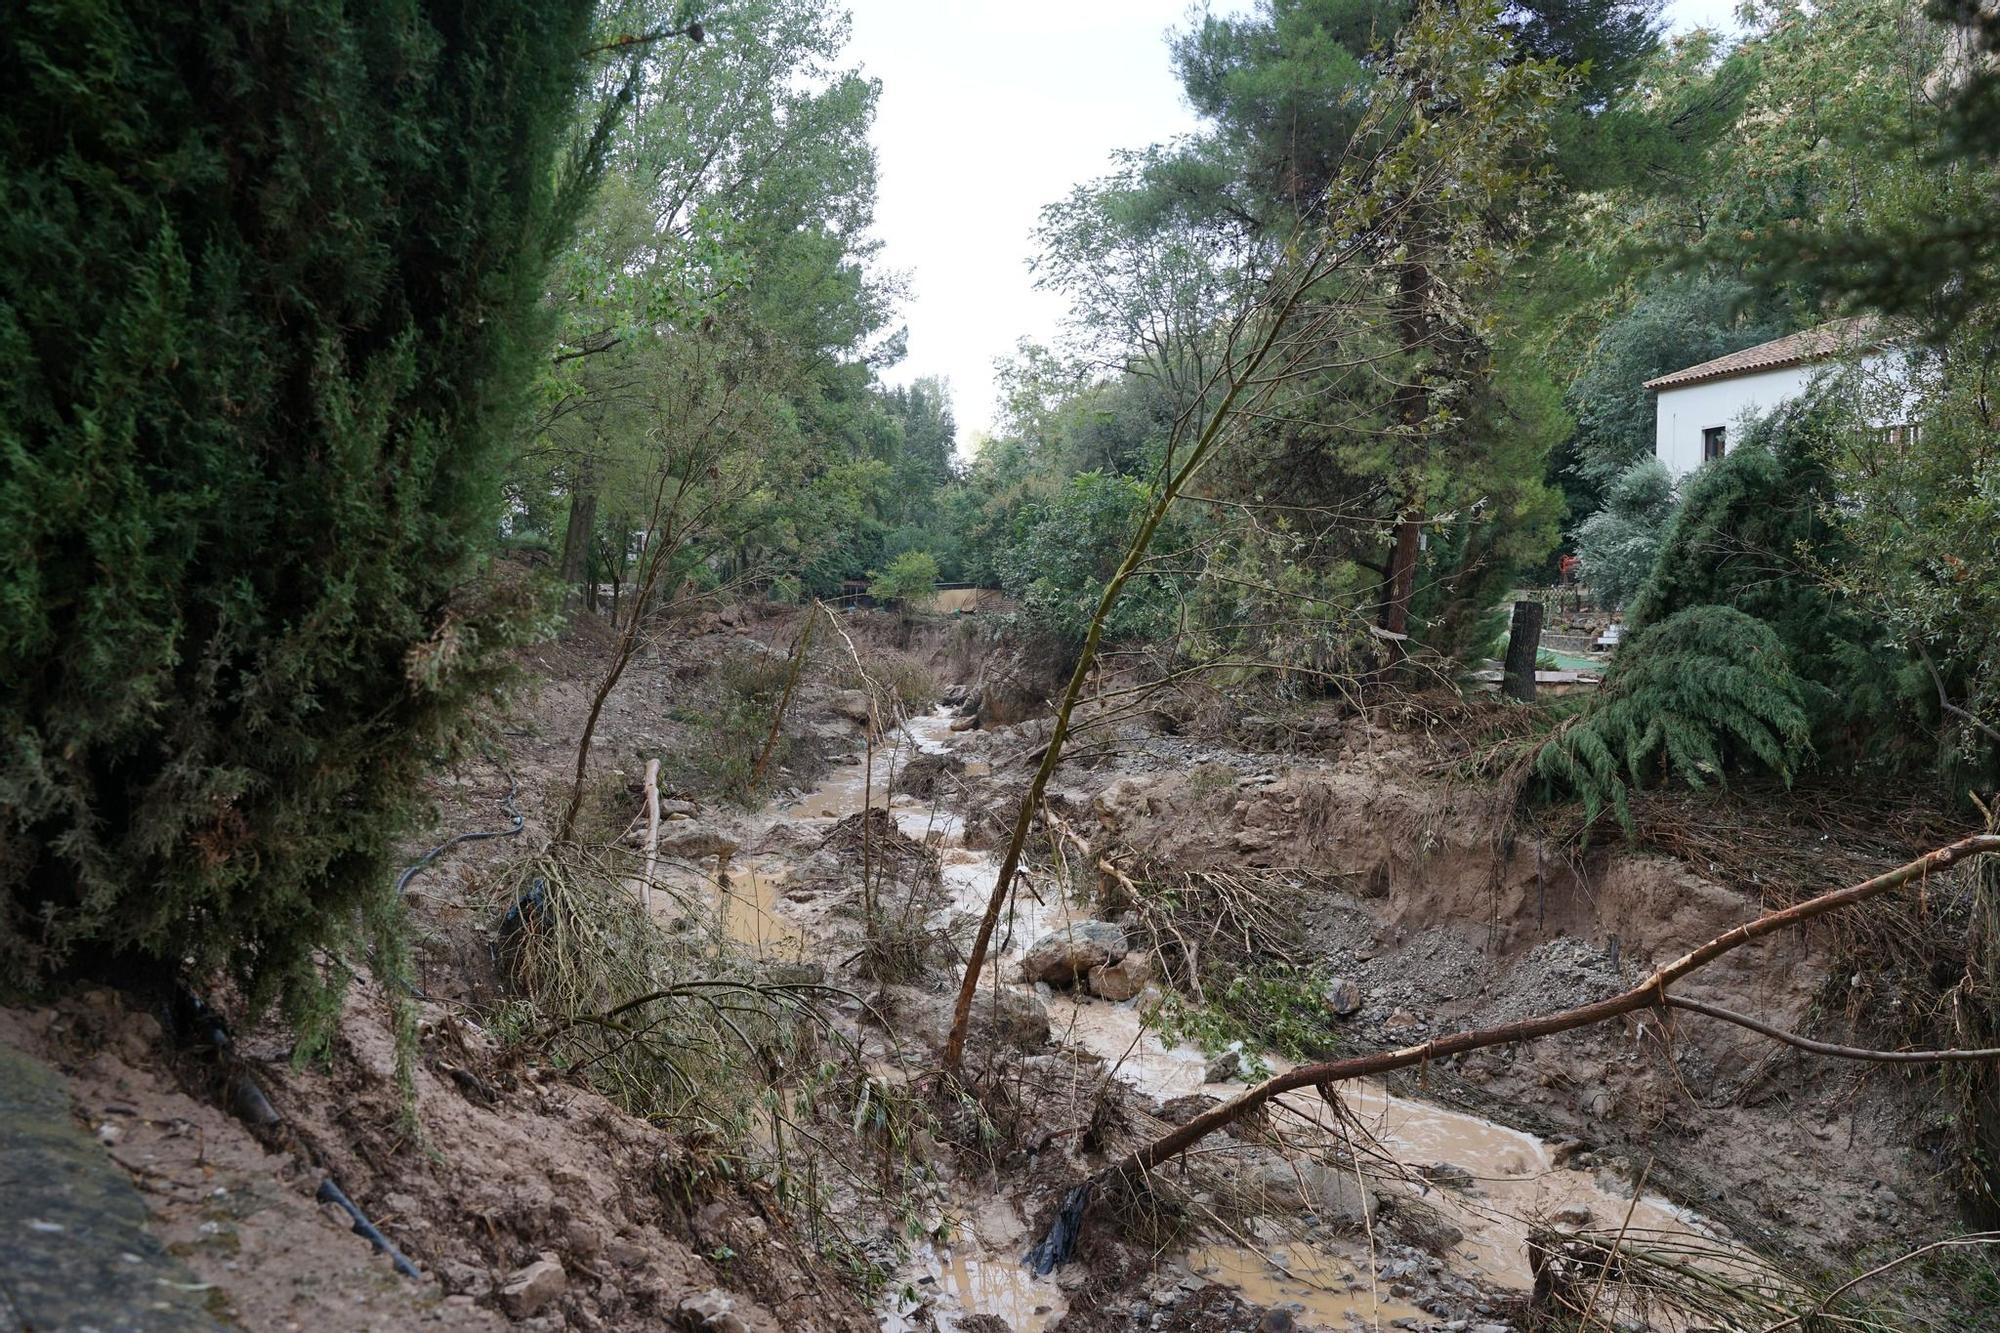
[(1064, 550), (267, 335), (1396, 477), (909, 578), (1854, 524), (723, 314), (1706, 690), (1620, 542)]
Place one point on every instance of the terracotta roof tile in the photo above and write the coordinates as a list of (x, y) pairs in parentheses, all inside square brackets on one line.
[(1815, 344)]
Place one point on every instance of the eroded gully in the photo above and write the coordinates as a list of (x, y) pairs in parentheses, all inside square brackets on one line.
[(1324, 1283)]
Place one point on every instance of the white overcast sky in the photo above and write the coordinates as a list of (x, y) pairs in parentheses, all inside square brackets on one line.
[(991, 109)]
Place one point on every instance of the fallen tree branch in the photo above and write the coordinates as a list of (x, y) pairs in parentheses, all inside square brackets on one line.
[(1826, 1047), (1648, 994)]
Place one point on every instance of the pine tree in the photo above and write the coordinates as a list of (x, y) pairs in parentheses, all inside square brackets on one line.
[(271, 280)]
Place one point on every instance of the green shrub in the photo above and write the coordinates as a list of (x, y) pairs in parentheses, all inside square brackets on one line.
[(1706, 690), (1275, 1007), (1758, 530), (271, 300), (1065, 551), (910, 577), (1620, 542)]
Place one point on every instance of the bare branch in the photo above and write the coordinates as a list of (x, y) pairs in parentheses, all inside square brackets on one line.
[(1829, 1048)]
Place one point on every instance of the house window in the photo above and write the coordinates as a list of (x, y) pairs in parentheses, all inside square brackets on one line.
[(1711, 444)]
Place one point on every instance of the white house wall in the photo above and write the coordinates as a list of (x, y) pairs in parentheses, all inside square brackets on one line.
[(1683, 413)]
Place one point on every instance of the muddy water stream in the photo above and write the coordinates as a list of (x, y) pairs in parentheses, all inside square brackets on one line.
[(1327, 1285)]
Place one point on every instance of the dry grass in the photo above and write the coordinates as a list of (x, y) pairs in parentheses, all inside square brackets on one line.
[(671, 1025)]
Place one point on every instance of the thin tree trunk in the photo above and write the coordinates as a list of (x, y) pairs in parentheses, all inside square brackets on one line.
[(1412, 411), (652, 834), (578, 534), (1173, 483)]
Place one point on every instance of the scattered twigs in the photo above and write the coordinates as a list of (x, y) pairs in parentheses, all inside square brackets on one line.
[(1617, 1242)]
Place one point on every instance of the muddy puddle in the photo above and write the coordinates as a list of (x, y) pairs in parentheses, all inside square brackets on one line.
[(1503, 1176)]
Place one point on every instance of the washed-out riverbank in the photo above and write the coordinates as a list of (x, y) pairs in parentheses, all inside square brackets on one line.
[(1487, 1183)]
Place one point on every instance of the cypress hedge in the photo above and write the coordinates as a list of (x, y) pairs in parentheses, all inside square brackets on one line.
[(270, 281)]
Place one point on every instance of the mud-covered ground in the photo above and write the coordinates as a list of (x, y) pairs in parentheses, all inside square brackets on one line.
[(524, 1197)]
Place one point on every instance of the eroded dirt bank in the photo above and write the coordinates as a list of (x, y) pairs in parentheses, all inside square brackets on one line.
[(526, 1197)]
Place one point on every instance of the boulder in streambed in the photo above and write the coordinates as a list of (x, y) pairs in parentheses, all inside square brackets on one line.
[(693, 839), (1001, 1016), (1008, 1016), (1123, 979), (1066, 954), (854, 705)]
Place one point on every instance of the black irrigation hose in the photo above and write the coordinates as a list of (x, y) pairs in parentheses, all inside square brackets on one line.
[(506, 804), (331, 1193)]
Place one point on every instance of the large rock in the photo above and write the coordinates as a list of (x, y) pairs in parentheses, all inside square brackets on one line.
[(853, 705), (713, 1310), (1334, 1195), (694, 840), (1064, 956), (1008, 1016), (527, 1290), (1343, 996), (1123, 979)]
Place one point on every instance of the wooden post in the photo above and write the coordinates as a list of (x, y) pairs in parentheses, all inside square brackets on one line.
[(652, 834), (1524, 644)]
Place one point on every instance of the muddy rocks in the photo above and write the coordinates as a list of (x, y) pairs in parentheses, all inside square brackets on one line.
[(585, 1239), (1065, 956), (1343, 996), (1125, 801), (854, 705), (1575, 1217), (458, 1278), (1226, 1066), (1123, 979), (1448, 1174), (712, 1310), (693, 839), (1009, 1017), (527, 1290)]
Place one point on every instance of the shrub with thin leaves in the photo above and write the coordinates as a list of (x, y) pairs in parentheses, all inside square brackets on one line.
[(272, 277), (1620, 542), (1704, 691)]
